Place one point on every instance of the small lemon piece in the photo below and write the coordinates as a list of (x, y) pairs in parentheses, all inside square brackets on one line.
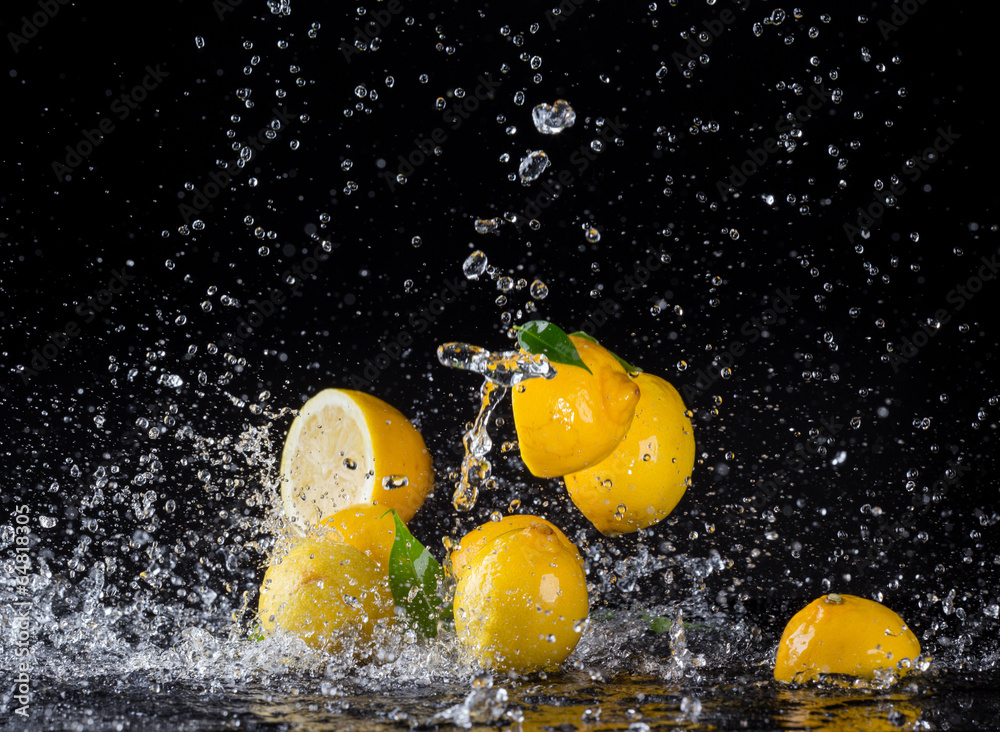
[(347, 447), (843, 634), (326, 592), (642, 481), (521, 600), (369, 529), (575, 419)]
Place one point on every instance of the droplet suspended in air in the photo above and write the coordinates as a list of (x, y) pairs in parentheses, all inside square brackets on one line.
[(532, 166), (475, 265), (486, 226), (553, 119)]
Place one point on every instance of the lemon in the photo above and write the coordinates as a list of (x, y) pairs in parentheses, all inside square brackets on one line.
[(844, 634), (575, 419), (346, 447), (521, 600), (326, 592), (480, 536), (369, 529), (642, 481)]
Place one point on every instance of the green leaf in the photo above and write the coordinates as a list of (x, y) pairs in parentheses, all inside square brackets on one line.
[(257, 634), (542, 337), (625, 364), (414, 575), (660, 624)]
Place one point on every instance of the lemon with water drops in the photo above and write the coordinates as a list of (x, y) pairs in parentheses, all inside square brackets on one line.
[(485, 534), (326, 592), (347, 447), (577, 418), (369, 529), (845, 634), (521, 601), (646, 476)]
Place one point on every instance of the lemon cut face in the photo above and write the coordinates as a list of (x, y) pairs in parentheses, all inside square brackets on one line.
[(844, 634), (346, 447)]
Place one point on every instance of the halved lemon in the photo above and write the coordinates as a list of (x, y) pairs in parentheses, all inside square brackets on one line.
[(348, 447), (578, 417), (844, 634)]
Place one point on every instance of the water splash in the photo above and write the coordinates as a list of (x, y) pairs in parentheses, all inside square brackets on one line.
[(501, 370), (485, 705), (553, 119)]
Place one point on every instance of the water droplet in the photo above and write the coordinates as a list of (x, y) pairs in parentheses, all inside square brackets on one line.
[(475, 265), (486, 226), (532, 166), (539, 290), (553, 119), (392, 482), (350, 464)]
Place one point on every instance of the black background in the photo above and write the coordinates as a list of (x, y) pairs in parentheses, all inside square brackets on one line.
[(652, 192)]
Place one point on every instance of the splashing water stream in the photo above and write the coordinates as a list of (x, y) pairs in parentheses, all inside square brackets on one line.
[(501, 371)]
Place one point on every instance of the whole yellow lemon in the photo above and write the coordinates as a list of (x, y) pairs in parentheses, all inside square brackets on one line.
[(369, 529), (326, 592), (522, 599), (485, 534)]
